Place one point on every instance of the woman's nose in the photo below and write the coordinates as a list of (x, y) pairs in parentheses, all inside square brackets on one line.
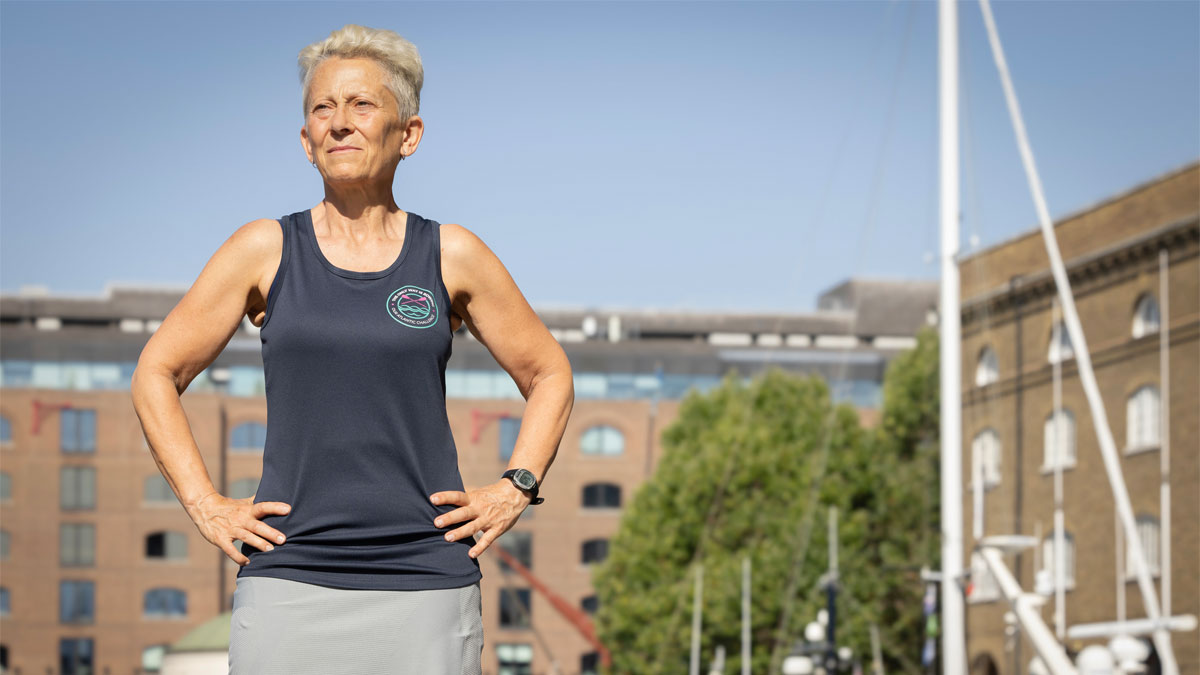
[(341, 119)]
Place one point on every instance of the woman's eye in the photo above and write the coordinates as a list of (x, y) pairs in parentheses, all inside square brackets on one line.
[(363, 103)]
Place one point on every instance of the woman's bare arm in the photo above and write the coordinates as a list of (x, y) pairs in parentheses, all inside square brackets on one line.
[(187, 342), (497, 314)]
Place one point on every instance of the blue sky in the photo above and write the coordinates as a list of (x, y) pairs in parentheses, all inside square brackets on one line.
[(718, 156)]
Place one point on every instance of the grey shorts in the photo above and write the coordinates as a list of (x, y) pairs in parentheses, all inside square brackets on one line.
[(285, 627)]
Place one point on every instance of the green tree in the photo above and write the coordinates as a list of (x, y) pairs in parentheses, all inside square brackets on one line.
[(751, 470)]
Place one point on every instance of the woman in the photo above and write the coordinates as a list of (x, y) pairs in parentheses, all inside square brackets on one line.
[(357, 551)]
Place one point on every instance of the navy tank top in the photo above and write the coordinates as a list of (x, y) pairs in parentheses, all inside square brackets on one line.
[(357, 431)]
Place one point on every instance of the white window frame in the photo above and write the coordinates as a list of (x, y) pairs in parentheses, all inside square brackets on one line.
[(1048, 559), (1143, 420), (983, 585), (1051, 453), (1060, 349), (1149, 532), (986, 445), (987, 369), (1146, 317)]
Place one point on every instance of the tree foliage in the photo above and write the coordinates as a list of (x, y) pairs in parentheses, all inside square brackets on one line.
[(751, 470)]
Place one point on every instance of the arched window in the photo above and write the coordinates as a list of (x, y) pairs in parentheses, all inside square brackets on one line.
[(243, 487), (248, 437), (602, 440), (1147, 528), (1142, 419), (1068, 559), (601, 496), (5, 430), (986, 371), (5, 606), (595, 550), (983, 585), (1058, 440), (166, 546), (985, 448), (1060, 344), (1145, 316), (156, 489), (164, 603)]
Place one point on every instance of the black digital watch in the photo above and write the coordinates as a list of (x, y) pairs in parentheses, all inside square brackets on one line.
[(524, 480)]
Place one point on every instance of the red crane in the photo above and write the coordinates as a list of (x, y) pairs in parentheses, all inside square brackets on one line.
[(577, 617)]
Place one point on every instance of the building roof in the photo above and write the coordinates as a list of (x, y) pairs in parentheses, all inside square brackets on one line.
[(212, 635)]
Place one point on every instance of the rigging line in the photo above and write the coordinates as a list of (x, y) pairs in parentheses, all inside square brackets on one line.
[(804, 532), (877, 42), (972, 220), (843, 362), (701, 539), (905, 663), (851, 122)]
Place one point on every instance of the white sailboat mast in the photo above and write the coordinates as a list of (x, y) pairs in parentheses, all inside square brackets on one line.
[(954, 660)]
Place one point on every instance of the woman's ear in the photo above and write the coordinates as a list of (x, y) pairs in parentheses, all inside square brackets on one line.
[(304, 143), (413, 132)]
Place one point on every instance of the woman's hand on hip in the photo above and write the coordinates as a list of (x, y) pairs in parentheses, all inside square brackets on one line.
[(222, 520), (492, 510)]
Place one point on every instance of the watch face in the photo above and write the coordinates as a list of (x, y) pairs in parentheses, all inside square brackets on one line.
[(524, 478)]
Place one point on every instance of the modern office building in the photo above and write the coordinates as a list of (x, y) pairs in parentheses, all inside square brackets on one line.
[(1134, 267), (102, 569)]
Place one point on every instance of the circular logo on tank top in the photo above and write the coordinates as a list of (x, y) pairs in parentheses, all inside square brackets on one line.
[(413, 306)]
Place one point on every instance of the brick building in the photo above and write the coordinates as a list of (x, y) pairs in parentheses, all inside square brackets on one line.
[(102, 568), (1112, 254)]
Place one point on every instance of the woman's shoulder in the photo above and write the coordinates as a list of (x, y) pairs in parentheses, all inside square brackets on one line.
[(460, 241), (259, 237)]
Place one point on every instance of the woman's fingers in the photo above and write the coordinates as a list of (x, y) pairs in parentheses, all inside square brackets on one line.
[(483, 543), (234, 554), (270, 509), (455, 516), (253, 539), (464, 531), (223, 520), (450, 497)]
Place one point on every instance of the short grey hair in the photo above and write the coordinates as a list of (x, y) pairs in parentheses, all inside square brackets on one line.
[(393, 53)]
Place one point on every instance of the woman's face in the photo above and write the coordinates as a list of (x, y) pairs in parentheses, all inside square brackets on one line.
[(349, 105)]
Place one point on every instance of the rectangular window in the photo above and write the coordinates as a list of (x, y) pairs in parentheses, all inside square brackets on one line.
[(76, 656), (77, 430), (515, 659), (1068, 562), (983, 585), (509, 428), (77, 601), (518, 544), (77, 545), (1147, 529), (514, 607), (77, 488)]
